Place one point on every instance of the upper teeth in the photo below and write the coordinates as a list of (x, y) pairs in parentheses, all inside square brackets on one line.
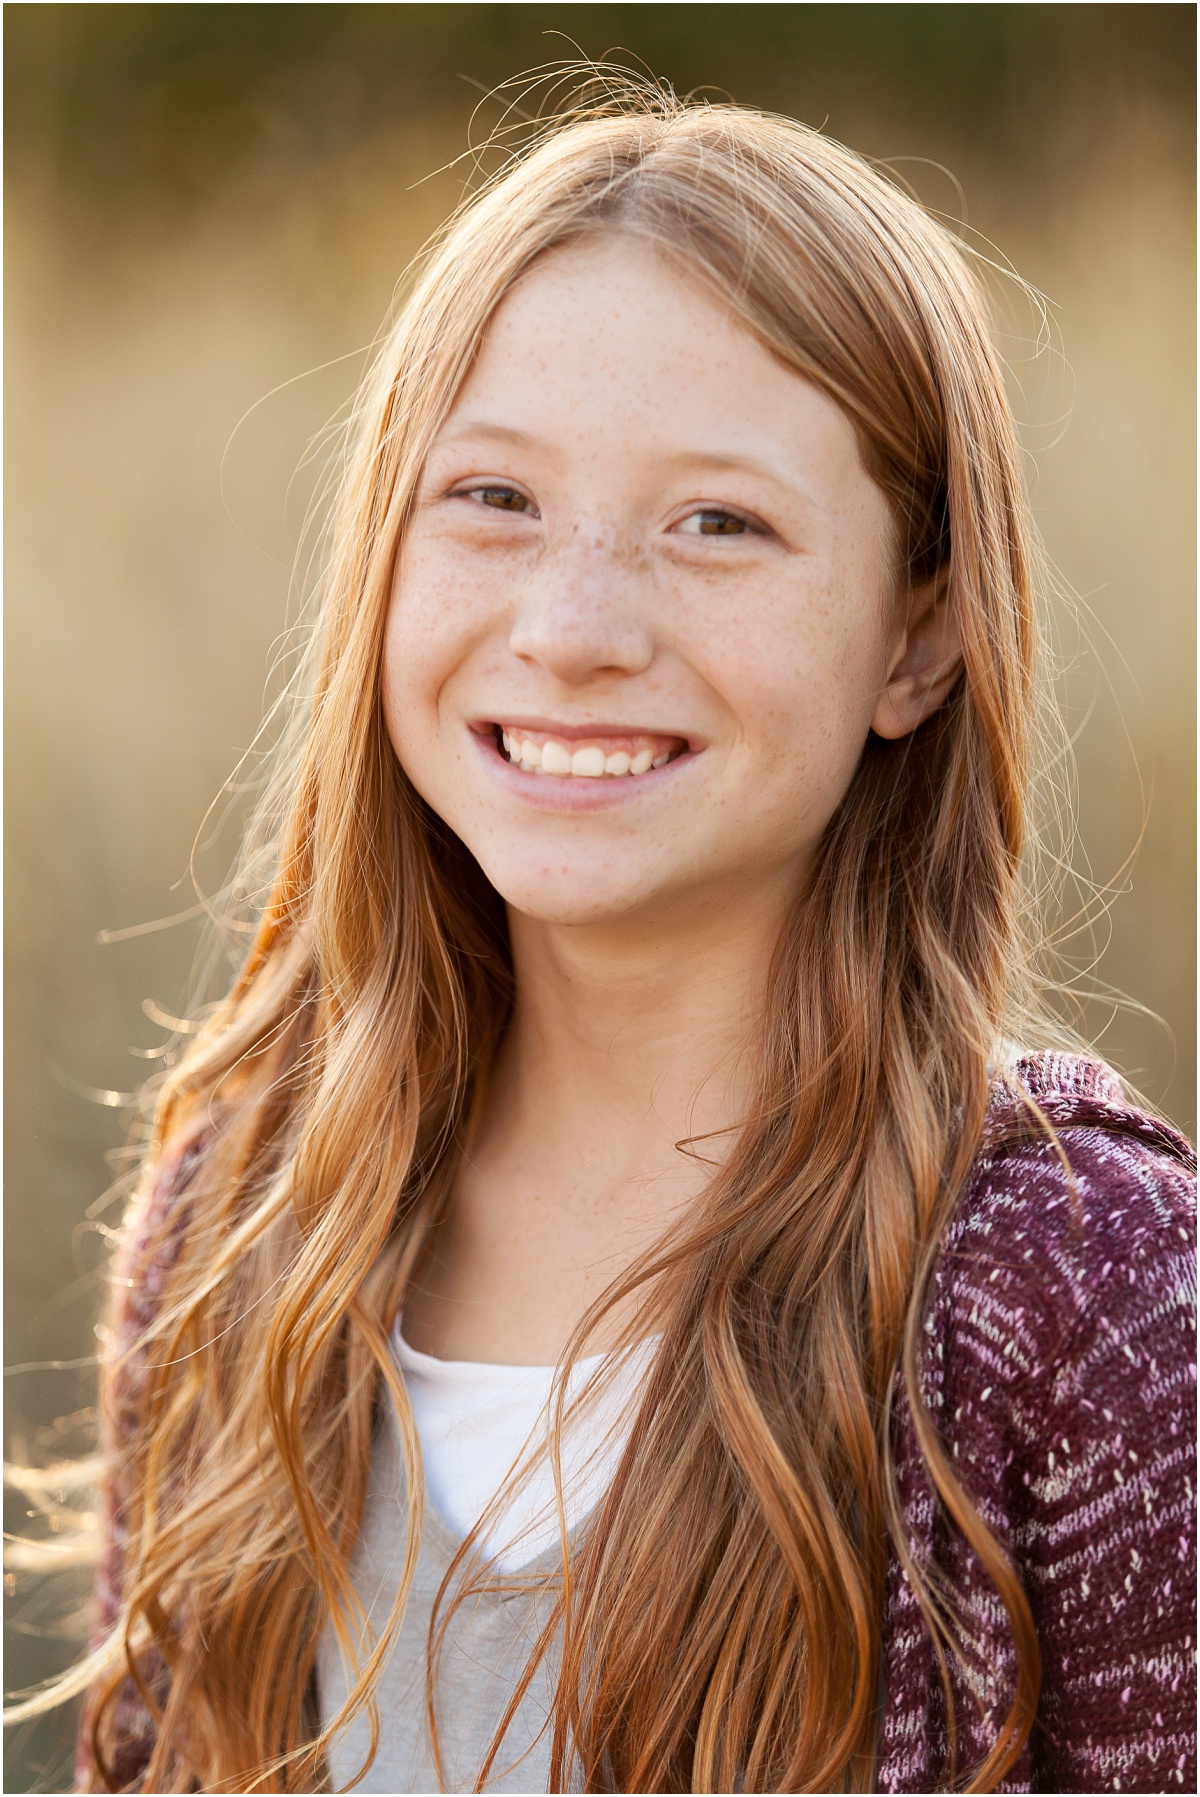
[(553, 757)]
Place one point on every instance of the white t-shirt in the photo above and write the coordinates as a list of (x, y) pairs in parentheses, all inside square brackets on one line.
[(475, 1421)]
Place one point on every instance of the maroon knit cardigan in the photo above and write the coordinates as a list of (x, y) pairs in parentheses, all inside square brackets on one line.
[(1060, 1370)]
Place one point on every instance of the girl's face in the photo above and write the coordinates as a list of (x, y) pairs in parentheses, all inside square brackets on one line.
[(645, 612)]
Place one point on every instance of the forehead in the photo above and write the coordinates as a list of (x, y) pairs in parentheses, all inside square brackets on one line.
[(604, 347)]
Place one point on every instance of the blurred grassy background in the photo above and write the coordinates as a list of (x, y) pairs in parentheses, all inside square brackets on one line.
[(204, 202)]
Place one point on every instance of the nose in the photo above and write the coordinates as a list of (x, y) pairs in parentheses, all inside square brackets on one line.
[(584, 612)]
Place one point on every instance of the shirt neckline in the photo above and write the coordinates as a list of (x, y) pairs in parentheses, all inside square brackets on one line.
[(435, 1370), (434, 1525)]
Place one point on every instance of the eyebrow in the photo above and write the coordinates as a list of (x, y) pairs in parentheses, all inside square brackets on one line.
[(719, 460), (713, 461), (484, 427)]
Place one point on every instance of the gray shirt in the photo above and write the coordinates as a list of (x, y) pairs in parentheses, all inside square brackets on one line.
[(484, 1652)]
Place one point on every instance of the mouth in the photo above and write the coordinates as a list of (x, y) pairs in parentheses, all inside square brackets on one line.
[(597, 755)]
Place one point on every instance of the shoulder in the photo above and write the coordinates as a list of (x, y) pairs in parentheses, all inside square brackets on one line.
[(1058, 1368), (1080, 1211), (1061, 1370), (1064, 1299), (151, 1238), (153, 1228)]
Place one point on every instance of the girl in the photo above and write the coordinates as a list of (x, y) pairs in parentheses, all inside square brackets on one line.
[(608, 1306)]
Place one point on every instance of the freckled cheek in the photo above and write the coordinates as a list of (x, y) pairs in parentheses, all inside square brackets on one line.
[(782, 681), (802, 693), (438, 619), (421, 660)]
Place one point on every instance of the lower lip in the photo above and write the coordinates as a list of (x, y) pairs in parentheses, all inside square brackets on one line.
[(574, 792)]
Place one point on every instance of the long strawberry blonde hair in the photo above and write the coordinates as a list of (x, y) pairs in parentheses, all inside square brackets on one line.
[(719, 1617)]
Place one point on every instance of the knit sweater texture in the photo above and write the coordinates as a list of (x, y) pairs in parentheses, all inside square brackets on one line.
[(1059, 1369)]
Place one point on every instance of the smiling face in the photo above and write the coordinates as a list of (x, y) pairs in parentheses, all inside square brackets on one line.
[(645, 611)]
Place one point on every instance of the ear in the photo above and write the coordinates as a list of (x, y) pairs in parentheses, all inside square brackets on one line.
[(924, 664)]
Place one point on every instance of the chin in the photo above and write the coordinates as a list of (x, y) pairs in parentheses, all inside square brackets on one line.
[(568, 897)]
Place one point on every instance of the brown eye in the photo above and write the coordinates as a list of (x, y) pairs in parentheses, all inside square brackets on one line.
[(712, 521), (503, 499)]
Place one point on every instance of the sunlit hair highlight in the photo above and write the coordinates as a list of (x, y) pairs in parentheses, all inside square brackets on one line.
[(720, 1617)]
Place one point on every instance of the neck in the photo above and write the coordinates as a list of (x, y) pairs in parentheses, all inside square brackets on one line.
[(643, 1021), (627, 1039)]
